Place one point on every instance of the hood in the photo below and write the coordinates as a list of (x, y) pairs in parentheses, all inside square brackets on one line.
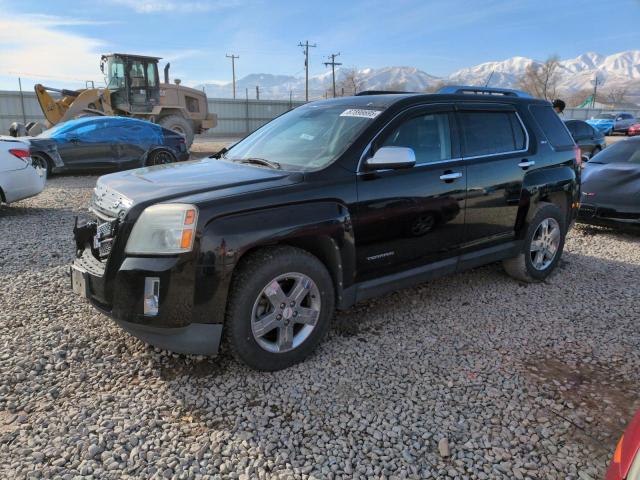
[(117, 192), (615, 185)]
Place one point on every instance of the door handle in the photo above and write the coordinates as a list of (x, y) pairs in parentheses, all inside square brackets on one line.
[(450, 176), (526, 163)]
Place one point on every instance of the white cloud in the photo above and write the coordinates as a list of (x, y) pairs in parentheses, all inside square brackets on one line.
[(166, 6), (43, 50)]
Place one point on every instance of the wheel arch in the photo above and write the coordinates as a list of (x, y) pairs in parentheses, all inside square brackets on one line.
[(157, 148), (559, 186), (325, 233)]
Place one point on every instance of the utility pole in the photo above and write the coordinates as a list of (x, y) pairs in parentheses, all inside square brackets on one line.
[(333, 64), (306, 67), (233, 71), (257, 92), (595, 91)]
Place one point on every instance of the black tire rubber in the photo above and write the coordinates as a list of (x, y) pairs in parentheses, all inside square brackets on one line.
[(36, 157), (521, 267), (152, 159), (252, 275), (178, 124)]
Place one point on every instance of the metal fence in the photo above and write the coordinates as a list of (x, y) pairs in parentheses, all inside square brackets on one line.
[(587, 113), (235, 117)]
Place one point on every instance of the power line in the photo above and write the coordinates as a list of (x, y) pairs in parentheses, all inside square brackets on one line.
[(306, 66), (333, 64), (233, 70)]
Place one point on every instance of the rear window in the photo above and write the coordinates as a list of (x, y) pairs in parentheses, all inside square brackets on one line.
[(627, 151), (490, 133), (551, 125)]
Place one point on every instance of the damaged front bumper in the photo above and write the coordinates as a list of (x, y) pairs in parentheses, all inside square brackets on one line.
[(149, 297)]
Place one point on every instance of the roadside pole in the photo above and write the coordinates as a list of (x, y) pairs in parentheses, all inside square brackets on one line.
[(24, 117), (246, 111)]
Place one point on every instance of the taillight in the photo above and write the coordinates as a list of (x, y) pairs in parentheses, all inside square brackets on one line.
[(21, 154), (578, 154)]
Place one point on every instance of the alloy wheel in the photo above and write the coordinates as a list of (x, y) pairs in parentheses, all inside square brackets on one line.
[(545, 243), (286, 312)]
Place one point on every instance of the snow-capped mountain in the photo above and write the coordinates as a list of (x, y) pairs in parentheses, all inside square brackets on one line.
[(617, 70)]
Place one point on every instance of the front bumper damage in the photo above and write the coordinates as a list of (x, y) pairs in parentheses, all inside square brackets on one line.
[(123, 294), (606, 216)]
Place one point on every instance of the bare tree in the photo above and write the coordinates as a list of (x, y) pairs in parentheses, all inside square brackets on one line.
[(351, 82), (616, 95), (577, 98), (541, 79), (435, 87)]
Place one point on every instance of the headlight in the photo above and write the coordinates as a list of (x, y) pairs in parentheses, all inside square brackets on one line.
[(166, 228)]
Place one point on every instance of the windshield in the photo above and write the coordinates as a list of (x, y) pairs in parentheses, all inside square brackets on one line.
[(309, 137), (58, 129), (605, 116), (627, 151), (115, 73)]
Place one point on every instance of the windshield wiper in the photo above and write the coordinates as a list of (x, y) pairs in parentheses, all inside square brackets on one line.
[(258, 161), (220, 153)]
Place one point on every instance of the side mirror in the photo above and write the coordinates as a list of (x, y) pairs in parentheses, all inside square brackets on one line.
[(392, 157)]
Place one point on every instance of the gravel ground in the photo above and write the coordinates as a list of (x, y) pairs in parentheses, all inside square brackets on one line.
[(470, 376)]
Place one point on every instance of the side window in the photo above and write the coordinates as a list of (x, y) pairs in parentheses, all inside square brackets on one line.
[(151, 75), (573, 128), (428, 135), (584, 130), (488, 133), (551, 125), (85, 131)]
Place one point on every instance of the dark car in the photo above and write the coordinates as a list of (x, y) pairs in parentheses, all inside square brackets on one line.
[(610, 123), (302, 217), (611, 186), (590, 140), (106, 143)]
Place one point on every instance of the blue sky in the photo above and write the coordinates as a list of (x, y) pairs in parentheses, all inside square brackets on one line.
[(59, 42)]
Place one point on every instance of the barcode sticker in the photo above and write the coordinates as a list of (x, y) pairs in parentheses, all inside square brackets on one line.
[(361, 113)]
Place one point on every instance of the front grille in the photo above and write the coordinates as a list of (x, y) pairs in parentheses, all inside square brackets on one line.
[(104, 238)]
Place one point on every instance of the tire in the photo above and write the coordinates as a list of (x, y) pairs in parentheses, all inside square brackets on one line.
[(526, 265), (160, 157), (180, 125), (289, 269), (40, 161)]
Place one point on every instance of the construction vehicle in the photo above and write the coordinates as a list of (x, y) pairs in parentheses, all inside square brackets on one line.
[(133, 90)]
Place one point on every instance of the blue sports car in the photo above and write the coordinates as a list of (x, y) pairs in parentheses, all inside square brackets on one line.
[(106, 143), (610, 123)]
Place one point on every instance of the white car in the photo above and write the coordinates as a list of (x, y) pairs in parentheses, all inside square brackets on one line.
[(19, 177)]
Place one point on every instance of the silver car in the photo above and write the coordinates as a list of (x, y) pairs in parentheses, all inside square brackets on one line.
[(19, 177)]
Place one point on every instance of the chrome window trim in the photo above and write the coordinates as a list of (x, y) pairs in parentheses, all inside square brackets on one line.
[(457, 159)]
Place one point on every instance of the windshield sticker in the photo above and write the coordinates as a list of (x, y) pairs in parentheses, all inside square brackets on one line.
[(306, 136), (361, 113)]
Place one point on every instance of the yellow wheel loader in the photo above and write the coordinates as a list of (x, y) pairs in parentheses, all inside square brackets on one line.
[(133, 90)]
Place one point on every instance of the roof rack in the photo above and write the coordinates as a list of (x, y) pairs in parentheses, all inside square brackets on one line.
[(378, 92), (462, 89)]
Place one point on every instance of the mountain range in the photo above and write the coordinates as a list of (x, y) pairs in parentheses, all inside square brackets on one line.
[(616, 71)]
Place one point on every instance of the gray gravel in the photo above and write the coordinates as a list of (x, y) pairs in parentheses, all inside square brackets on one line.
[(469, 376)]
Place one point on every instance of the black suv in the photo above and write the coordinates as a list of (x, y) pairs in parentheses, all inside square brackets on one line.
[(329, 204)]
